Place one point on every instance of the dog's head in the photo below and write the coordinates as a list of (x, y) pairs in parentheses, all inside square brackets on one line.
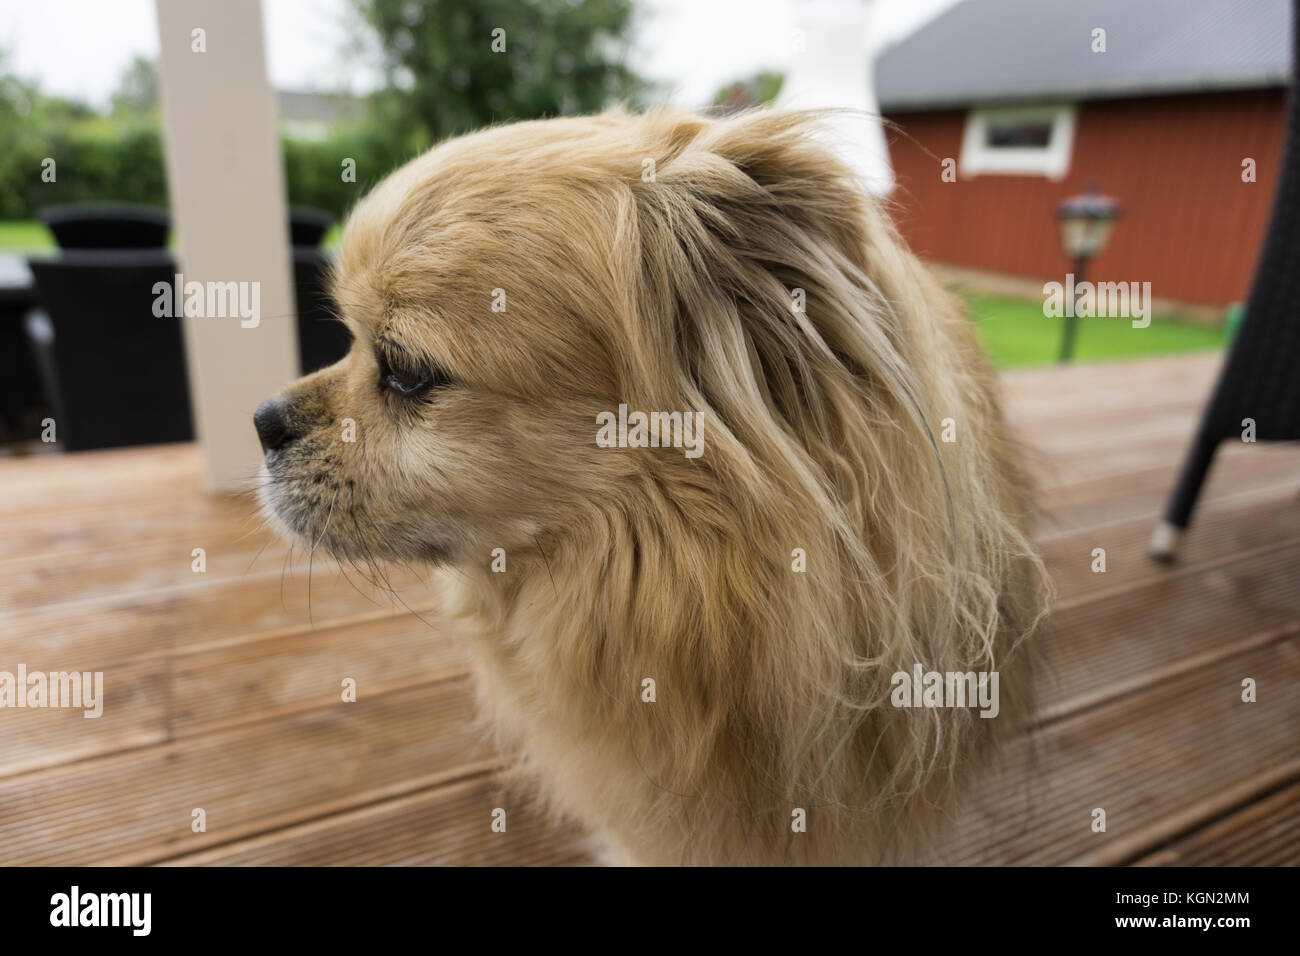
[(520, 293), (479, 283), (508, 291), (521, 297)]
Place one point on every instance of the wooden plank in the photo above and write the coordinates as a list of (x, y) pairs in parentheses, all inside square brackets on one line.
[(1084, 397), (1265, 832), (1129, 452), (1030, 816), (96, 634), (1168, 753), (134, 715), (91, 478), (445, 826), (1098, 650), (249, 681), (54, 578), (1232, 794), (1090, 651), (1224, 531), (1106, 432), (1055, 392), (220, 695), (162, 698), (1238, 472), (136, 807), (184, 520), (1113, 459)]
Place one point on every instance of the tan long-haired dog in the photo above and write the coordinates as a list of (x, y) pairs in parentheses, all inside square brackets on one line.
[(694, 640)]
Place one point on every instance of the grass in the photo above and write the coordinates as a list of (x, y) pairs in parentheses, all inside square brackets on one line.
[(1016, 334), (23, 235)]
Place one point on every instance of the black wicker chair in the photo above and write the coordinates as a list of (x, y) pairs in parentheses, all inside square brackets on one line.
[(107, 226), (128, 226), (114, 372), (22, 399), (322, 339), (307, 226), (1261, 378), (98, 319)]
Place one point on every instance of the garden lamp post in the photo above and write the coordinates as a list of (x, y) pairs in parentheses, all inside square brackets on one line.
[(1085, 222)]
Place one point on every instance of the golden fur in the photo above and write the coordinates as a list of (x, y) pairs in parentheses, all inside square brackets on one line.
[(669, 286)]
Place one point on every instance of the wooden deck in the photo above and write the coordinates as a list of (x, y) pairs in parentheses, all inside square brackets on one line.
[(224, 694)]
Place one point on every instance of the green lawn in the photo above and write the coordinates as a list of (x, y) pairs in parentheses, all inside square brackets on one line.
[(1015, 333), (21, 235)]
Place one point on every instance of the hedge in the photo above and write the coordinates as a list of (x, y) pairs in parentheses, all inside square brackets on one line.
[(103, 160)]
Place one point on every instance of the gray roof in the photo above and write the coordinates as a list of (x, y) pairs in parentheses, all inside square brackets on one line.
[(991, 51), (322, 107)]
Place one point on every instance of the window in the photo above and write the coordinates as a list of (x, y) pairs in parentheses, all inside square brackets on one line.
[(1008, 133), (1019, 141)]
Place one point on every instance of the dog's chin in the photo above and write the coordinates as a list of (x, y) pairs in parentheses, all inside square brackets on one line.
[(347, 540), (291, 519), (269, 505)]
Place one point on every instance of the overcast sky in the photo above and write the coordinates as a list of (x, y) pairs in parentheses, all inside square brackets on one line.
[(80, 47)]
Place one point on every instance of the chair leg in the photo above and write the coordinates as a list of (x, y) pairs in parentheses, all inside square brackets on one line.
[(1178, 514), (40, 336)]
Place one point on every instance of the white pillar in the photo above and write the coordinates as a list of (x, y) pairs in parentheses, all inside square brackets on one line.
[(832, 68), (226, 182)]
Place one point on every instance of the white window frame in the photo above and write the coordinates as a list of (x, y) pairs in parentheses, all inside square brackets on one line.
[(1051, 161)]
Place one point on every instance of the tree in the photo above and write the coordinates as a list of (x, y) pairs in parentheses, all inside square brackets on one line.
[(455, 65), (759, 90), (137, 90)]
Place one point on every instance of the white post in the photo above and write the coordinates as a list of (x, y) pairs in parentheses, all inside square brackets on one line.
[(831, 67), (226, 182)]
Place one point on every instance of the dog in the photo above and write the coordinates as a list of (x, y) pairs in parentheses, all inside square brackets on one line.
[(696, 655)]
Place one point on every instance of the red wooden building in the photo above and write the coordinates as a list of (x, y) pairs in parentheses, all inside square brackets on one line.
[(1174, 107)]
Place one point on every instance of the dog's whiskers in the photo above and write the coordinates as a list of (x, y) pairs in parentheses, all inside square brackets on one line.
[(311, 557)]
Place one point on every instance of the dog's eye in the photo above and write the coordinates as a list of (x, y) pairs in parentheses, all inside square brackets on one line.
[(406, 379), (408, 382)]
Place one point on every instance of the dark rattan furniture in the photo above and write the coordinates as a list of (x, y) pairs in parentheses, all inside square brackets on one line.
[(307, 226), (322, 339), (115, 373), (107, 226), (1260, 382)]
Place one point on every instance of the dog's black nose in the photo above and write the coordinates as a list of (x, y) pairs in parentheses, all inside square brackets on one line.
[(273, 425)]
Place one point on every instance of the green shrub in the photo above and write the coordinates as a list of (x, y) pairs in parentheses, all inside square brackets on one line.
[(103, 160)]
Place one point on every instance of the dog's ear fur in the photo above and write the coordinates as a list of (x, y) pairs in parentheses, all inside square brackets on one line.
[(768, 275), (746, 230), (826, 363)]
